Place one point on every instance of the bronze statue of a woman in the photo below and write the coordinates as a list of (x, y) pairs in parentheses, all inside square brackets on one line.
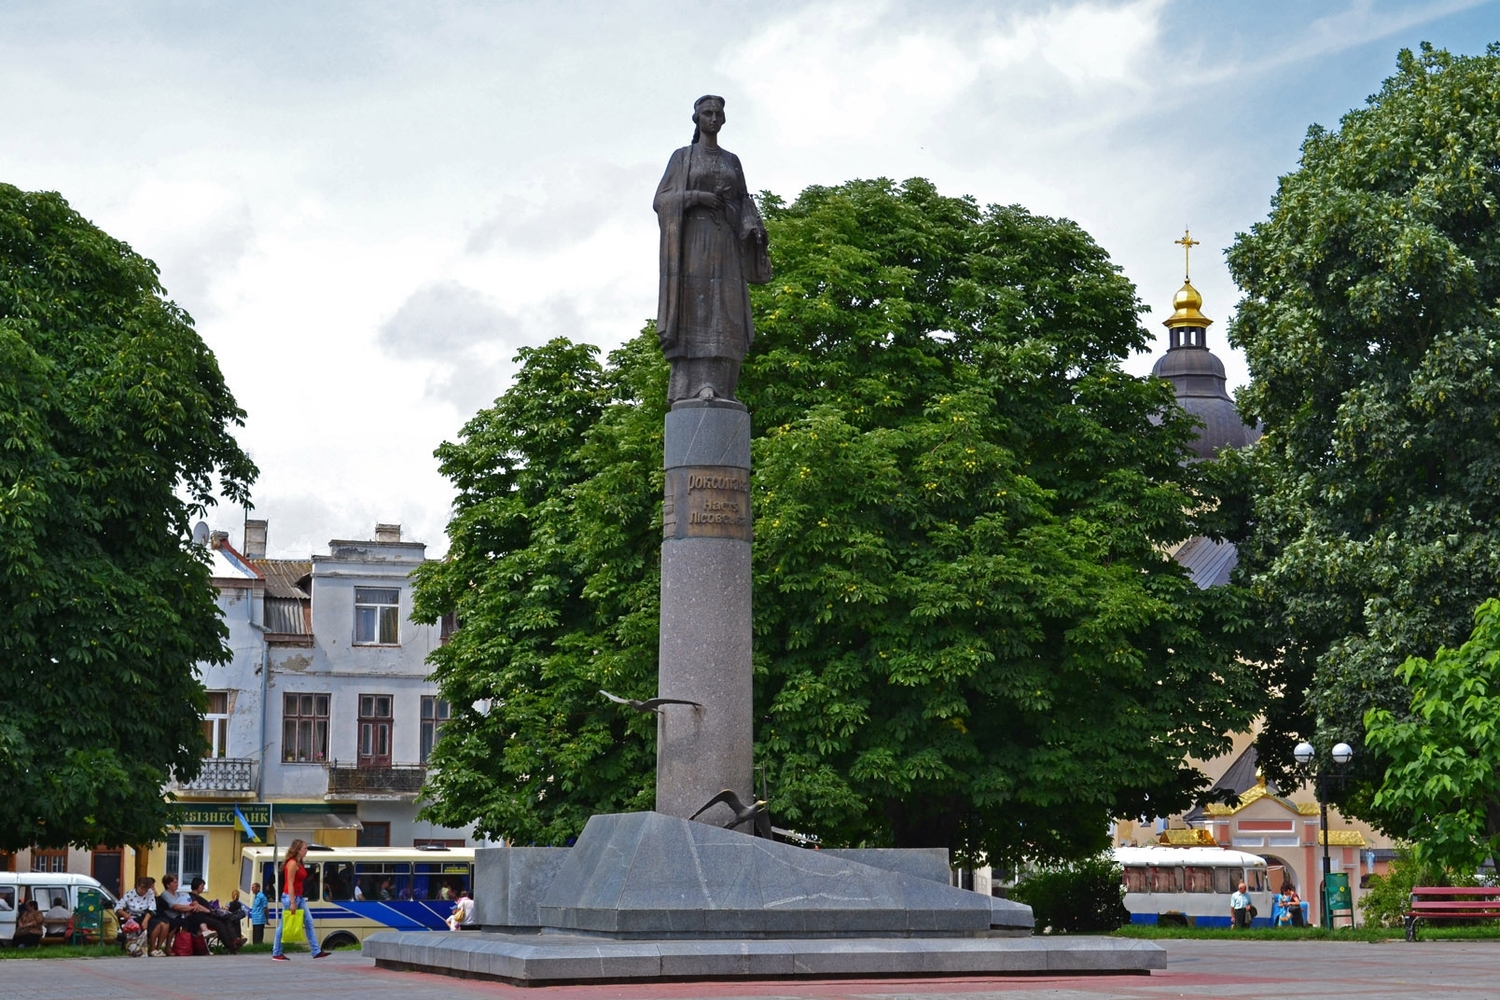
[(713, 243)]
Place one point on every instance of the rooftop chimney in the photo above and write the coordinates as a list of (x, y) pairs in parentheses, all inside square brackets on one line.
[(388, 532), (255, 539), (217, 538)]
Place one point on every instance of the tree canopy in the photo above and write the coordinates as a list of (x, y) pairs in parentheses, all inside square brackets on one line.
[(114, 432), (968, 631), (1444, 758), (1371, 330)]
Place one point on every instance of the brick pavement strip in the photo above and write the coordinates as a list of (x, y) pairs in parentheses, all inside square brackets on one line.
[(1220, 970)]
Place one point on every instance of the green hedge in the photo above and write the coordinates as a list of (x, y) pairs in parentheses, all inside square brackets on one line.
[(1080, 896), (1385, 897)]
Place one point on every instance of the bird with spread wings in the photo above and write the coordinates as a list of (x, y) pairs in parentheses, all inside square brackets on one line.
[(650, 704), (756, 813)]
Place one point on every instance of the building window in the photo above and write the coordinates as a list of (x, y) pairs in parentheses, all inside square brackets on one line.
[(377, 610), (435, 712), (375, 835), (216, 723), (49, 860), (375, 730), (304, 728), (185, 856)]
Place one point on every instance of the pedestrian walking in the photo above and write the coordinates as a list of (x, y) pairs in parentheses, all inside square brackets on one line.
[(293, 875)]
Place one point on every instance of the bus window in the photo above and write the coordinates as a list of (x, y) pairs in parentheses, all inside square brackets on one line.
[(383, 881), (312, 884), (1135, 879), (338, 880), (1166, 879), (1199, 878), (1255, 879), (247, 875), (440, 879), (270, 884), (1225, 880)]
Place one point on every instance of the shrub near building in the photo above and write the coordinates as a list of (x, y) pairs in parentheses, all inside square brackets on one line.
[(1077, 897)]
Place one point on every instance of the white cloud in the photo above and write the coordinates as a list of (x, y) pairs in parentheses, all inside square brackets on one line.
[(196, 229), (468, 341), (564, 203), (869, 72), (369, 209)]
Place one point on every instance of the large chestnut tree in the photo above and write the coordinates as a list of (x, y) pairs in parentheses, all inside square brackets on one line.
[(968, 631), (114, 434)]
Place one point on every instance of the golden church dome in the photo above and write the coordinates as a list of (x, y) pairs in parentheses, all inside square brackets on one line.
[(1185, 305)]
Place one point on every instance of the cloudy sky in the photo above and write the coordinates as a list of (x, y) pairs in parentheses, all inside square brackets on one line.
[(367, 207)]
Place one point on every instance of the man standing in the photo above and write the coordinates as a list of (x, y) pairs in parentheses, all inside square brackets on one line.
[(1239, 907), (258, 914)]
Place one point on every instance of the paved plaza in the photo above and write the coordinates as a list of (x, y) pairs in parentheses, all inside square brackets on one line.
[(1205, 970)]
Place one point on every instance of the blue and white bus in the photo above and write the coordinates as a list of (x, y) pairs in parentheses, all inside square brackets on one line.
[(355, 891), (1193, 883)]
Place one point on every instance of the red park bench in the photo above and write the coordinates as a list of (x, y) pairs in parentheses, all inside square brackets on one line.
[(1431, 902)]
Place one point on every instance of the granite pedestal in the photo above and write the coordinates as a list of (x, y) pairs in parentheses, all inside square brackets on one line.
[(704, 651), (644, 896)]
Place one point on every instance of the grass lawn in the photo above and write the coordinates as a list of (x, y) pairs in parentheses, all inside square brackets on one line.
[(1365, 934)]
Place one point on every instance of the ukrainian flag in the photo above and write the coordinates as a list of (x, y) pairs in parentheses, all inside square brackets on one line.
[(244, 824)]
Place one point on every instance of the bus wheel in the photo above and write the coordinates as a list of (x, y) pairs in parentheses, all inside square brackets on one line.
[(339, 939)]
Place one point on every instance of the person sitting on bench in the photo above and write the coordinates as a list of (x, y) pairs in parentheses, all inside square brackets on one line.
[(222, 924), (29, 926), (175, 911), (139, 904), (57, 918)]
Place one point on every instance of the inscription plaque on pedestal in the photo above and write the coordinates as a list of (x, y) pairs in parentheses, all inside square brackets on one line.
[(706, 501)]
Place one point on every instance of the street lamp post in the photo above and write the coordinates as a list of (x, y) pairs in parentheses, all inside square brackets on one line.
[(1342, 754)]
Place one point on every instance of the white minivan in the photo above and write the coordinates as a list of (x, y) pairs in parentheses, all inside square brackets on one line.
[(44, 887)]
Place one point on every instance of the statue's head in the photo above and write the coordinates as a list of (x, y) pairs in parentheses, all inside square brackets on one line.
[(708, 115)]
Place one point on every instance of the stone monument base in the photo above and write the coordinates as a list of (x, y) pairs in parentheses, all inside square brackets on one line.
[(556, 959), (644, 896)]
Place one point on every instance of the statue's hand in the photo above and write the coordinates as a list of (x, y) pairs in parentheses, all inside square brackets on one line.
[(708, 199)]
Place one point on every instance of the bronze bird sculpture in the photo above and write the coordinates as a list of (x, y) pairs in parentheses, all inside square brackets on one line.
[(650, 704), (756, 813)]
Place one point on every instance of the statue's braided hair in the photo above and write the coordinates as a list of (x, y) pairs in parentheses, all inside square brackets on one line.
[(705, 97)]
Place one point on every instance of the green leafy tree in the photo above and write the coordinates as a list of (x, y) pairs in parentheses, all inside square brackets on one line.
[(552, 570), (1444, 757), (968, 632), (114, 423), (1372, 334)]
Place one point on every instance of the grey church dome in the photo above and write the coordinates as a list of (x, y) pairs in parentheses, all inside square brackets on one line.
[(1197, 377)]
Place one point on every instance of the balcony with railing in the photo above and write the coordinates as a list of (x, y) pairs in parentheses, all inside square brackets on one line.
[(221, 777), (398, 781)]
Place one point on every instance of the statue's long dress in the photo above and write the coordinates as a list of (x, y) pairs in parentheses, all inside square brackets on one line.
[(703, 314)]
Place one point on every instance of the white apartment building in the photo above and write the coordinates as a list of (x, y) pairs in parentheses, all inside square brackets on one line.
[(320, 724)]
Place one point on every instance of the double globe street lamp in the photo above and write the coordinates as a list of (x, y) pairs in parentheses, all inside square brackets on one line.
[(1342, 754)]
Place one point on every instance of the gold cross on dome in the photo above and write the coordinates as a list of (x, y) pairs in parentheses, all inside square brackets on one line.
[(1187, 243)]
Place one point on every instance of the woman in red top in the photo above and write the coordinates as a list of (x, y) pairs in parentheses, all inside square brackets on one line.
[(293, 875)]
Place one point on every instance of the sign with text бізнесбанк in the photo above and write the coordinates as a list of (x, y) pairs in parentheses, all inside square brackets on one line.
[(257, 814)]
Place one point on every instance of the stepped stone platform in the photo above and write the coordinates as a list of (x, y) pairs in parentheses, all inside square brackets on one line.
[(645, 896)]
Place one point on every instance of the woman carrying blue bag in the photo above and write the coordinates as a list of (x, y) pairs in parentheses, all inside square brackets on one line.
[(294, 910)]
